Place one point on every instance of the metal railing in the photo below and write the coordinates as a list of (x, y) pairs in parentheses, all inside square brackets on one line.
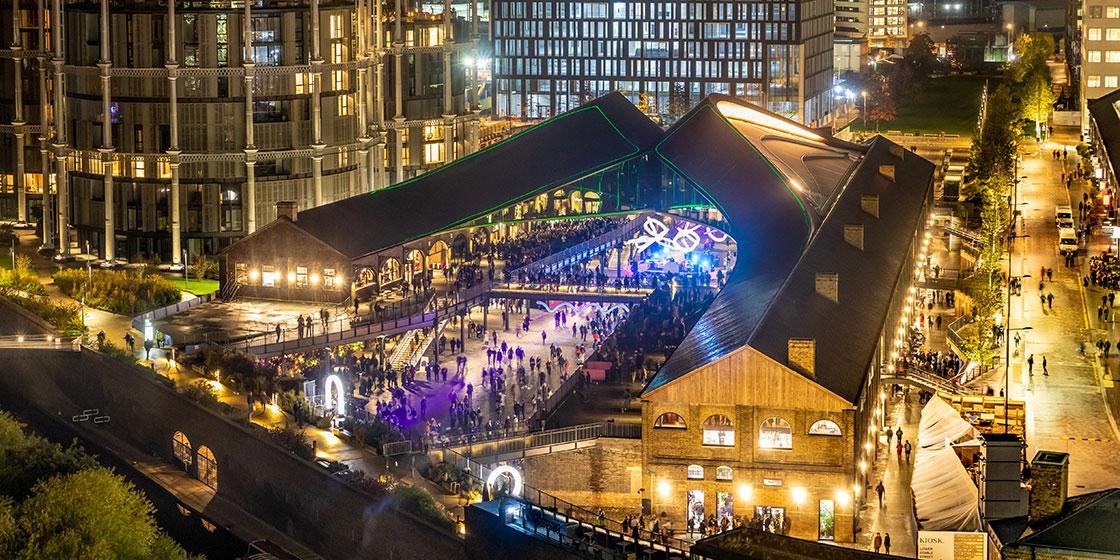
[(566, 510), (922, 377), (41, 342), (499, 448), (406, 314), (167, 310)]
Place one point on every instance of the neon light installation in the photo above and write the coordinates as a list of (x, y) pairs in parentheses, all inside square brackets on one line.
[(335, 399), (514, 474)]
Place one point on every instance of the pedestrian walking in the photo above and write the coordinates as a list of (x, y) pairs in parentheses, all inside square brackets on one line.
[(889, 435), (877, 542), (1030, 364), (898, 449), (907, 448), (1050, 300), (879, 489), (1049, 274), (1044, 370), (887, 542), (898, 433)]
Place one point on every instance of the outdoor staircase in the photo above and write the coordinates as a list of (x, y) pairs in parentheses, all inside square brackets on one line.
[(401, 355)]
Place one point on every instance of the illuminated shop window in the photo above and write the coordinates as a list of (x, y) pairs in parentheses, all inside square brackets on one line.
[(775, 433), (718, 430), (670, 420)]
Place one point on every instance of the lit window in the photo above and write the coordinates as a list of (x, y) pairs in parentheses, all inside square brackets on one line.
[(1110, 81), (1093, 81), (138, 168), (1113, 34), (824, 428), (339, 79), (336, 26), (241, 273), (775, 433), (1111, 56), (268, 276), (301, 276), (1094, 34), (434, 36), (670, 420), (695, 472), (302, 83), (1093, 56), (343, 105), (723, 473), (336, 52), (433, 153), (328, 278), (1112, 12), (718, 430)]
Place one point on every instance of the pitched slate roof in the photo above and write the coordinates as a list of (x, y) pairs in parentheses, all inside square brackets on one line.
[(787, 199), (846, 332), (1106, 117), (595, 136), (1087, 523)]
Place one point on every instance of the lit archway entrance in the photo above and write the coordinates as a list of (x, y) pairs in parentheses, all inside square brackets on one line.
[(181, 448), (207, 467), (508, 478), (333, 397)]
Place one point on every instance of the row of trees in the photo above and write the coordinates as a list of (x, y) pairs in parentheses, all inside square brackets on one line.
[(55, 502), (1024, 95)]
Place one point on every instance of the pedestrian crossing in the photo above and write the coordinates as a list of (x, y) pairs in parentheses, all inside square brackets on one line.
[(1089, 439)]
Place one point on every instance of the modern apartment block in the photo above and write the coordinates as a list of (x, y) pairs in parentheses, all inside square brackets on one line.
[(551, 56), (154, 140), (888, 27), (1098, 43)]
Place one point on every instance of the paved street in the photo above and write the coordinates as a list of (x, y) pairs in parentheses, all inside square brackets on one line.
[(1066, 409)]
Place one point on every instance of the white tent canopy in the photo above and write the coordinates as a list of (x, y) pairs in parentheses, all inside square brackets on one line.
[(945, 499)]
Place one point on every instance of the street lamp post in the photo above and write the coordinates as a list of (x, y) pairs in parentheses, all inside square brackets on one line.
[(864, 114), (1010, 41)]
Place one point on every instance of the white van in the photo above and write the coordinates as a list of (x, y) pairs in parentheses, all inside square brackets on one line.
[(1063, 216), (1067, 240)]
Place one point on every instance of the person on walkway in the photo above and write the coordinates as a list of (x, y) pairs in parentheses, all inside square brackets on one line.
[(890, 434), (898, 449), (898, 434), (147, 348), (877, 542), (879, 489), (887, 542), (1050, 300), (907, 448), (1030, 364), (1044, 370), (278, 330), (1049, 274)]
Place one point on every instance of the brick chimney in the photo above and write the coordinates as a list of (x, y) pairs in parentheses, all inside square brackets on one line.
[(287, 209), (1049, 484)]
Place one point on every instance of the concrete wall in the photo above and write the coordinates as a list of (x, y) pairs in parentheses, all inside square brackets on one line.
[(288, 493), (607, 475)]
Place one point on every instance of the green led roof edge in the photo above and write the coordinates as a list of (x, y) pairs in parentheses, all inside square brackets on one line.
[(531, 130), (594, 169)]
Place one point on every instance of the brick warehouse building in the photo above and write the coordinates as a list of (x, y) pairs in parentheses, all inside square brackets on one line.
[(773, 399)]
